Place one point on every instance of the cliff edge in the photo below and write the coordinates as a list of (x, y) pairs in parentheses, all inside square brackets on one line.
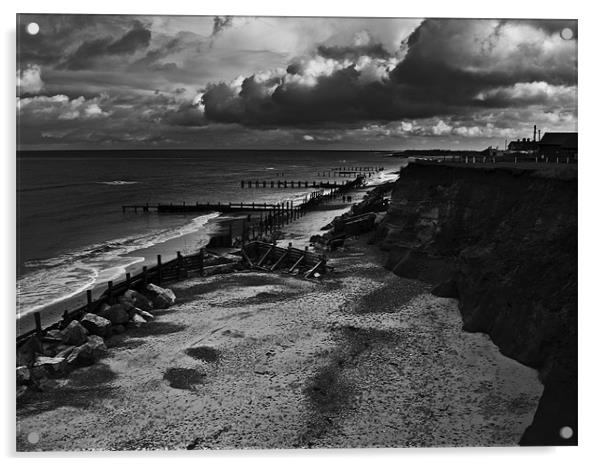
[(503, 241)]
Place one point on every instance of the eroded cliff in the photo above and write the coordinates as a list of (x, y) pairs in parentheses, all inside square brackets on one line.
[(504, 242)]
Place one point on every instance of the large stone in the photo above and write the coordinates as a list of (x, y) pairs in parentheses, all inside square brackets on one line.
[(145, 315), (136, 300), (116, 314), (88, 353), (96, 324), (23, 375), (45, 365), (21, 390), (26, 352), (74, 333), (138, 320), (54, 333), (64, 351), (162, 298)]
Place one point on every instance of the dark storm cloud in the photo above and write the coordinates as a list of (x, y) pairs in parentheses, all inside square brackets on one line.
[(138, 37), (177, 80), (353, 52), (451, 66), (186, 115)]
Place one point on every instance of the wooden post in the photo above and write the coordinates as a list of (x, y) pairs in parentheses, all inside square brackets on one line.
[(128, 278), (202, 261), (144, 275), (180, 263), (159, 271), (230, 234), (38, 320), (89, 300), (110, 291)]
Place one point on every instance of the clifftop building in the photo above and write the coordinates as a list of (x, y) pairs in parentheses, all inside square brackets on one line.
[(550, 145), (559, 144)]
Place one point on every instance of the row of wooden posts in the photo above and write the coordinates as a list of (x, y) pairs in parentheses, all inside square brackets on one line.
[(158, 274), (335, 174), (291, 184), (275, 216), (282, 214), (480, 159), (343, 168)]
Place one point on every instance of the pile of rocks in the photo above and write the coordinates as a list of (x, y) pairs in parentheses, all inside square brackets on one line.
[(82, 342)]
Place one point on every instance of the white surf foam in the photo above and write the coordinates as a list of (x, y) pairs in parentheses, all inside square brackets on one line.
[(56, 279), (117, 182)]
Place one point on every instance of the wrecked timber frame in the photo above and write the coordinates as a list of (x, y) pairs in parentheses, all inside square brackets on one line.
[(268, 257)]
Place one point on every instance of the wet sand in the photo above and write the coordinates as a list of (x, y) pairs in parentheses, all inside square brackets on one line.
[(362, 358)]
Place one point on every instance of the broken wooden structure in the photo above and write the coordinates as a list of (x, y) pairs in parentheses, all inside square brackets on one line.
[(270, 258)]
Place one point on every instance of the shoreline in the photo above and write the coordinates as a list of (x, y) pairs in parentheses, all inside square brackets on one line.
[(215, 226), (362, 358)]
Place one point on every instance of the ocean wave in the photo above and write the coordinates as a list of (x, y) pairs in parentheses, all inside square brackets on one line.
[(55, 279), (117, 182)]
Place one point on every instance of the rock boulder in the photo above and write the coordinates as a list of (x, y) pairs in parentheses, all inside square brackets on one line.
[(74, 334), (138, 320), (137, 300), (116, 314), (145, 315), (88, 353), (45, 365), (96, 324), (162, 298), (23, 375)]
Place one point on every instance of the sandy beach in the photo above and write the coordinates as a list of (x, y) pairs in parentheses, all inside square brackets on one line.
[(360, 358)]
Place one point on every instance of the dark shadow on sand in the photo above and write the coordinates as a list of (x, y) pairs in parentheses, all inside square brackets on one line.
[(84, 386)]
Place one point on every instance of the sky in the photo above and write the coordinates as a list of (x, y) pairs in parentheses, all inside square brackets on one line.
[(203, 82)]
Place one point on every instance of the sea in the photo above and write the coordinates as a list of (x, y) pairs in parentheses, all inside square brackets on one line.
[(72, 234)]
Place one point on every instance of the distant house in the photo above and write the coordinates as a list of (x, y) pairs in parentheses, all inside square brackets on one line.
[(558, 144)]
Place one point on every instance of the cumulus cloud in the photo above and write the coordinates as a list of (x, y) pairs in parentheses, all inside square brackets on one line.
[(60, 107), (179, 79), (29, 80), (488, 63), (529, 93)]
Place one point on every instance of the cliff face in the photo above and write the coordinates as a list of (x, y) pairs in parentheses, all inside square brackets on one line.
[(504, 242)]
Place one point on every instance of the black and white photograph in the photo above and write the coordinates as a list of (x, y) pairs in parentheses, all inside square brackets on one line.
[(240, 232)]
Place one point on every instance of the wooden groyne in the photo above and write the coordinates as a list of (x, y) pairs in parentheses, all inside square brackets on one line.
[(261, 221), (264, 226), (309, 200), (180, 267), (255, 254), (287, 184), (200, 207)]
